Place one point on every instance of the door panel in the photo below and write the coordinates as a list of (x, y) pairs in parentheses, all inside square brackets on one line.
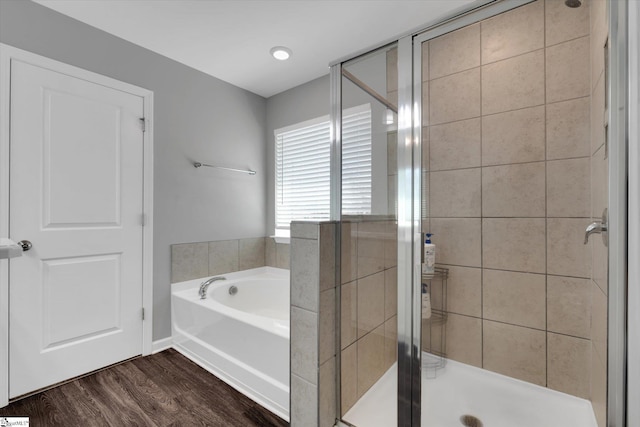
[(76, 194), (66, 298), (94, 200)]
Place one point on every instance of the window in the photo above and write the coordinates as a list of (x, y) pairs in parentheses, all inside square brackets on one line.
[(303, 168)]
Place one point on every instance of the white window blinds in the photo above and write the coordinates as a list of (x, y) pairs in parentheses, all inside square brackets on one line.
[(302, 168), (356, 162)]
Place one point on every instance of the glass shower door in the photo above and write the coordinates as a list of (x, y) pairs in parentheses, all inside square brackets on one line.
[(380, 241), (514, 165), (368, 222), (490, 132)]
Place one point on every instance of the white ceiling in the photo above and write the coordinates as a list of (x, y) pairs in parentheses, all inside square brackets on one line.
[(230, 39)]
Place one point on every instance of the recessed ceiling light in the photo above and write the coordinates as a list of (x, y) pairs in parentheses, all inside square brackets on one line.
[(281, 53)]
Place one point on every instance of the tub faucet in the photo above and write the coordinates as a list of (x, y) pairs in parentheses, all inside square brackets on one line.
[(203, 287)]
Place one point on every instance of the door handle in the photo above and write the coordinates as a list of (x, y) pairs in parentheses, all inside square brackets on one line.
[(599, 227), (25, 245)]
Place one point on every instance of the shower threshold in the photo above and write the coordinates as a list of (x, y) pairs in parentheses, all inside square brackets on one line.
[(461, 390)]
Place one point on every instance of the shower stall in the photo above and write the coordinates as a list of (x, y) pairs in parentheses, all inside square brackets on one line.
[(494, 131)]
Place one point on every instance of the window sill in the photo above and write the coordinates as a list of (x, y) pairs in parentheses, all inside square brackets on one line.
[(282, 239)]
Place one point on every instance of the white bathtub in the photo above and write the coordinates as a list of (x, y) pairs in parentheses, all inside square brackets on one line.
[(243, 339)]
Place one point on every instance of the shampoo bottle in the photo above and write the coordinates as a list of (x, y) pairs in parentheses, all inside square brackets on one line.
[(426, 302), (429, 265)]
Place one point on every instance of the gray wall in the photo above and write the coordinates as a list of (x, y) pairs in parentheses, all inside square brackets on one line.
[(196, 117), (304, 102)]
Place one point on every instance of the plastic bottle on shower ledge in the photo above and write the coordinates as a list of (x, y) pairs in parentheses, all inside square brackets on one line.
[(426, 302), (429, 264)]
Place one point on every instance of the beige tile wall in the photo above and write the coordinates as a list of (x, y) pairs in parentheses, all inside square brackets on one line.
[(313, 314), (368, 305), (201, 259), (509, 191)]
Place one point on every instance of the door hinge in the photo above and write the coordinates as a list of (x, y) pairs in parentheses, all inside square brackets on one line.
[(143, 123), (143, 219), (142, 313)]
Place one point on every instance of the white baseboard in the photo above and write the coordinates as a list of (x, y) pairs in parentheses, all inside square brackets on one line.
[(160, 345)]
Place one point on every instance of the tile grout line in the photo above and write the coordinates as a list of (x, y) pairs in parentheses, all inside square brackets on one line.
[(238, 255), (514, 271), (510, 217), (512, 163), (575, 98)]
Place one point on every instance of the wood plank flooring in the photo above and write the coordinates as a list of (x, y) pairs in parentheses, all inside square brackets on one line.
[(164, 389)]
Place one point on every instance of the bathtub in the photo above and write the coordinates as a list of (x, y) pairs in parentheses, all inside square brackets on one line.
[(243, 339)]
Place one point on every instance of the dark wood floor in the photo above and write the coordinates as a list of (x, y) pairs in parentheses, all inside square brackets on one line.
[(165, 389)]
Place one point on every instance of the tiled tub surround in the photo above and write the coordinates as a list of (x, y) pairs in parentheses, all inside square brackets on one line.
[(506, 158), (313, 324), (202, 259), (368, 327)]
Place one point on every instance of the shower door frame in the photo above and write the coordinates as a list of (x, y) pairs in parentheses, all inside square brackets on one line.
[(618, 137), (633, 340)]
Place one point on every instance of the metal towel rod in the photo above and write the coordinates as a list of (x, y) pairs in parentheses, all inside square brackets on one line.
[(198, 164)]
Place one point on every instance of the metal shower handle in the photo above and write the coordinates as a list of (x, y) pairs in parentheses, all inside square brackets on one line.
[(599, 227)]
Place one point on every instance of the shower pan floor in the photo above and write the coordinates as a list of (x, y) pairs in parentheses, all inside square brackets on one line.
[(461, 390)]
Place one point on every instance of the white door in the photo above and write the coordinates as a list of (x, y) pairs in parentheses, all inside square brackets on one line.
[(76, 181)]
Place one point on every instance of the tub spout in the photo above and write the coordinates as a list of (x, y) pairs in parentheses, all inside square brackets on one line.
[(203, 287)]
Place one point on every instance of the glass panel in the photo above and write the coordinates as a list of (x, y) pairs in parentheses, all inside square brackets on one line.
[(369, 238)]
